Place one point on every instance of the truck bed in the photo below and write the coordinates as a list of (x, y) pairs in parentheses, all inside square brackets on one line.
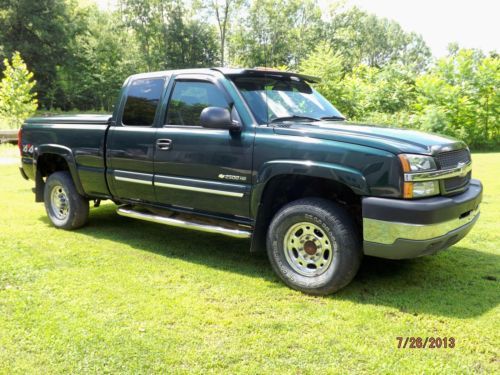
[(83, 137)]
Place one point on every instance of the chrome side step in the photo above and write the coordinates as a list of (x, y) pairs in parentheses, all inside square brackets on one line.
[(178, 221)]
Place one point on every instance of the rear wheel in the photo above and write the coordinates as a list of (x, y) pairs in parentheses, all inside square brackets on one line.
[(314, 246), (65, 208)]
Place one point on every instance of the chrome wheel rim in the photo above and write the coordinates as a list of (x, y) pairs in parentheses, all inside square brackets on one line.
[(59, 202), (308, 250)]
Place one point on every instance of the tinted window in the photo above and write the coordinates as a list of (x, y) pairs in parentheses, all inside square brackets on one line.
[(189, 99), (271, 98), (143, 97)]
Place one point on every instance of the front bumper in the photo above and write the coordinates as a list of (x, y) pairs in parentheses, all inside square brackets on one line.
[(399, 229)]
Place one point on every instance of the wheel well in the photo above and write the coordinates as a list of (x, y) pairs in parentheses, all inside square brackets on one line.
[(283, 189), (45, 166), (50, 163)]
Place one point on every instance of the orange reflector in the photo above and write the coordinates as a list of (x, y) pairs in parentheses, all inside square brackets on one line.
[(404, 163), (408, 190)]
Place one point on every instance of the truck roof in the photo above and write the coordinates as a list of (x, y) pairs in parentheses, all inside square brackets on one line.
[(233, 72)]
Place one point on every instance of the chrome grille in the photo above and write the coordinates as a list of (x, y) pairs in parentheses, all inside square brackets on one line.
[(455, 183), (450, 159)]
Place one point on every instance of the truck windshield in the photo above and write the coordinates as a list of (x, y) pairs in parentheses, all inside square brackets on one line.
[(284, 99)]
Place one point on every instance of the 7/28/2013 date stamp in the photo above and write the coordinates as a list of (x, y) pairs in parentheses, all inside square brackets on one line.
[(411, 342)]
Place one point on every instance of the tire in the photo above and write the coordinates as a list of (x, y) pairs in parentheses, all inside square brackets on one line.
[(314, 246), (65, 207)]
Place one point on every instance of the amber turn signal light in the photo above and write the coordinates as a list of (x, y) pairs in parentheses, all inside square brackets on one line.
[(404, 163), (408, 190)]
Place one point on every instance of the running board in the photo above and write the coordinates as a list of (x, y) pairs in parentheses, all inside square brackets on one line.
[(179, 222)]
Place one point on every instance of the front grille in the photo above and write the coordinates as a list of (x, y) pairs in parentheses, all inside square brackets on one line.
[(450, 159), (455, 183)]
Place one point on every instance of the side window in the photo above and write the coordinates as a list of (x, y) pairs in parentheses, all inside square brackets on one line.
[(143, 97), (189, 98)]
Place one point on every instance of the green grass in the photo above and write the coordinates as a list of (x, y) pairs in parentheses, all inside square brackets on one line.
[(126, 296), (8, 151)]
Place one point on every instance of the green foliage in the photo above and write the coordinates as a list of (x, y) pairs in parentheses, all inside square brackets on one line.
[(370, 90), (364, 90), (41, 31), (364, 38), (103, 54), (459, 96), (168, 35), (327, 65), (17, 99), (276, 32), (223, 12), (371, 69)]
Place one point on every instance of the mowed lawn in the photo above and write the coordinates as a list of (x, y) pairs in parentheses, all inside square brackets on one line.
[(124, 296)]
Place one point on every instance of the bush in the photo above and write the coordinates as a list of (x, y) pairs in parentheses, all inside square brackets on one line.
[(17, 101), (458, 96)]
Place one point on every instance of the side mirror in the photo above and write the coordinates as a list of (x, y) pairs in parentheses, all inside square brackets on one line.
[(215, 118), (220, 118)]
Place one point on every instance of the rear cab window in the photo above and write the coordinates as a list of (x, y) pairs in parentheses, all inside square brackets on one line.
[(143, 97)]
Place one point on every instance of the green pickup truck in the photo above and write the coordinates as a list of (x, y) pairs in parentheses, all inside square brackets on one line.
[(254, 153)]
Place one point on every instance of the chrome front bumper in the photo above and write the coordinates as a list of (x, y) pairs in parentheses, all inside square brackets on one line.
[(398, 229)]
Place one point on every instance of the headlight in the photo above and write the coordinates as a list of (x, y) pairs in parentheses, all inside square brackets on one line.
[(424, 189), (412, 163), (417, 163)]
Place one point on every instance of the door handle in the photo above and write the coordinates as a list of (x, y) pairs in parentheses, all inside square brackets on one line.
[(164, 144)]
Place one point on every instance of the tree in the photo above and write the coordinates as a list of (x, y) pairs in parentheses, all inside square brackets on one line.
[(103, 53), (41, 31), (363, 91), (364, 38), (327, 65), (222, 10), (276, 33), (168, 37), (459, 96), (17, 100)]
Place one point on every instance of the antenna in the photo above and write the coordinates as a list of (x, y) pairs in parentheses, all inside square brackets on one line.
[(266, 35)]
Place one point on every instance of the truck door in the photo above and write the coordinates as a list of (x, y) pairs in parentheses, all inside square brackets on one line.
[(199, 168), (131, 140)]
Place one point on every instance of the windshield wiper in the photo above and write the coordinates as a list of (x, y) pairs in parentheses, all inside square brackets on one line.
[(334, 118), (294, 117)]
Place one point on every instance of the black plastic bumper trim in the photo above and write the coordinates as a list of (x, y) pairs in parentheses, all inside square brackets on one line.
[(424, 211)]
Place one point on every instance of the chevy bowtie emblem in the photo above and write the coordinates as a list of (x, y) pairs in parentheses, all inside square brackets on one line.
[(463, 170)]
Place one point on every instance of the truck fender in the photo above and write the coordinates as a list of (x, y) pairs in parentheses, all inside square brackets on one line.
[(66, 154), (349, 177)]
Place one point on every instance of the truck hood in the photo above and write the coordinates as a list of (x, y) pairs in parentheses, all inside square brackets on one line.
[(385, 138)]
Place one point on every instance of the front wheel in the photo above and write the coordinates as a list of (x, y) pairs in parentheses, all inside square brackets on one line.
[(314, 246), (65, 208)]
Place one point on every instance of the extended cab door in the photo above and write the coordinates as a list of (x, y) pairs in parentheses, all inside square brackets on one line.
[(131, 140), (199, 168)]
